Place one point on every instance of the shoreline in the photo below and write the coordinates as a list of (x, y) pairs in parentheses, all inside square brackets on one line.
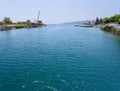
[(110, 27), (5, 27)]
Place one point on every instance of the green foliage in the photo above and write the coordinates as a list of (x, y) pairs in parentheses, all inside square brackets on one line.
[(111, 29), (119, 21), (1, 23), (106, 20), (115, 18), (98, 21), (17, 26), (107, 28), (101, 20), (7, 20), (28, 22)]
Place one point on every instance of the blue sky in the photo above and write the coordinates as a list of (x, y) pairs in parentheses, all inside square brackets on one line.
[(58, 11)]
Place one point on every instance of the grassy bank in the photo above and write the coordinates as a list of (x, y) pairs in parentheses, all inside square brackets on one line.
[(18, 26), (7, 24), (109, 24)]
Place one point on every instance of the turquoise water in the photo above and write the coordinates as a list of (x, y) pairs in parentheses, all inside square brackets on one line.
[(59, 58)]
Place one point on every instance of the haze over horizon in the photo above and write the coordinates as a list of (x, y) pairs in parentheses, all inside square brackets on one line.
[(58, 11)]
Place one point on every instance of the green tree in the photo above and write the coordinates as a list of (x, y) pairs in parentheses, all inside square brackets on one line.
[(28, 22), (106, 20), (1, 23), (101, 20), (119, 21), (114, 18), (117, 17), (97, 21), (7, 20)]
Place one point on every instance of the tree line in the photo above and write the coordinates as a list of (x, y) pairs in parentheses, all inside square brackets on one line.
[(114, 19), (7, 20), (98, 21)]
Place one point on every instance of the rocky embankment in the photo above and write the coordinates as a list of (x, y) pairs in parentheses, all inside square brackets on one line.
[(112, 27)]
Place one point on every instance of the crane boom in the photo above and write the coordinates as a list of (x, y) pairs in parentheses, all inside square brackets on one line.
[(38, 16)]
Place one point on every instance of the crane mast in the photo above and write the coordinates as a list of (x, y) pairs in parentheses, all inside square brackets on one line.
[(38, 16)]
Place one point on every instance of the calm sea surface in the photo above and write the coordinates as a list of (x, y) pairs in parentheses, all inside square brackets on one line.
[(59, 58)]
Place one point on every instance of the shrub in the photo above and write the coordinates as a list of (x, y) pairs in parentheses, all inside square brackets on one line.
[(17, 26), (7, 20), (1, 23)]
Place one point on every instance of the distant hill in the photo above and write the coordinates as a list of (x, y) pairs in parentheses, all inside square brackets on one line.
[(79, 22)]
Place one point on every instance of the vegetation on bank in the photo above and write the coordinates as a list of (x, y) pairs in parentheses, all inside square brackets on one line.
[(109, 24), (106, 20), (98, 21), (115, 18), (111, 29), (8, 24)]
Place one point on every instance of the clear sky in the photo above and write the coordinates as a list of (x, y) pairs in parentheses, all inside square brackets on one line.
[(58, 11)]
